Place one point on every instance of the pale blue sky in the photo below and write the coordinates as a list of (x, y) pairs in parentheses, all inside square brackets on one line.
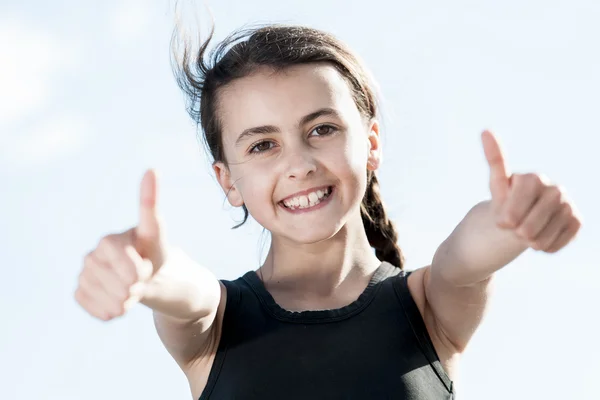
[(88, 102)]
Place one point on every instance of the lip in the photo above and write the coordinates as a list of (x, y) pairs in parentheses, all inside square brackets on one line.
[(305, 192)]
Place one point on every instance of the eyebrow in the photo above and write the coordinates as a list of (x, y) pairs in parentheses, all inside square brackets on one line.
[(267, 129)]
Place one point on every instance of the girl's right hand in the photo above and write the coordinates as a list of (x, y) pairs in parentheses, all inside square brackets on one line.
[(116, 273)]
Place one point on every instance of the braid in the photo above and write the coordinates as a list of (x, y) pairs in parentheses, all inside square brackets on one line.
[(381, 232)]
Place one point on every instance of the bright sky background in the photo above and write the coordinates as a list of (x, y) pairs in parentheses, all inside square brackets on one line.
[(88, 102)]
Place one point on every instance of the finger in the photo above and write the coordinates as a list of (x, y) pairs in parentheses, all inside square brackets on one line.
[(148, 235), (148, 228), (558, 222), (540, 214), (524, 193), (90, 306), (101, 282), (101, 298), (98, 300), (499, 177), (104, 287), (565, 237), (107, 280), (118, 252), (122, 295)]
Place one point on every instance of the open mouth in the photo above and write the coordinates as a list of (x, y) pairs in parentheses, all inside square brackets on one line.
[(309, 200)]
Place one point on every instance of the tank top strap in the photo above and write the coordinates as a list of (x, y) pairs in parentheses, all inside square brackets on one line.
[(414, 318)]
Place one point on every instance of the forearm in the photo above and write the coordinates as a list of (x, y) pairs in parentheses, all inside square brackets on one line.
[(476, 248), (182, 289)]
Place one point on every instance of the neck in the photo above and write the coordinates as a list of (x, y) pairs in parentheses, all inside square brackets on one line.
[(320, 268)]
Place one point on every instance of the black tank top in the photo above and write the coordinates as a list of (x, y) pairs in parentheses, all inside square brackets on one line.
[(377, 347)]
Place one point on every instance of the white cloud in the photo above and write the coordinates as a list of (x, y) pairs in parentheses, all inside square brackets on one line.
[(131, 19), (46, 141), (30, 61)]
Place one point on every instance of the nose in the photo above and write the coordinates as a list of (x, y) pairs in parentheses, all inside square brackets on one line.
[(300, 164)]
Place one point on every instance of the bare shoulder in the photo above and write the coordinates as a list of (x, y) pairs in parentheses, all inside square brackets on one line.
[(446, 352), (198, 369)]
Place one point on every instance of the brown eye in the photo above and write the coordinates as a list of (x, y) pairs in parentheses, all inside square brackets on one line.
[(324, 130), (261, 147)]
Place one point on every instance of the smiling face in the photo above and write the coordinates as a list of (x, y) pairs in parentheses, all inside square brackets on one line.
[(297, 150)]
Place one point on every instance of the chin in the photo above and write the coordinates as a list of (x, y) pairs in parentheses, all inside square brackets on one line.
[(310, 234)]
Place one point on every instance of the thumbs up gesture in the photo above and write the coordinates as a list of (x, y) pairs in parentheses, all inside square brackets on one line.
[(537, 211), (116, 273)]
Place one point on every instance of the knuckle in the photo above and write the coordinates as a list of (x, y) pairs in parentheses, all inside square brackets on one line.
[(518, 179), (107, 241), (81, 280), (86, 279), (89, 258), (533, 180), (526, 231), (103, 242), (538, 245), (554, 193), (544, 180), (79, 296), (567, 209), (546, 247), (534, 245), (531, 177)]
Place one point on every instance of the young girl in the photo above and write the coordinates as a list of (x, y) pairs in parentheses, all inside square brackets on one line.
[(290, 118)]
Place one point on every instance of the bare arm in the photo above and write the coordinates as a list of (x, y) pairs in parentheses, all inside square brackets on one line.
[(185, 298), (525, 211), (458, 284), (139, 266)]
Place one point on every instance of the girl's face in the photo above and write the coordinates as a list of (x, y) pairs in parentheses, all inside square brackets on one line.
[(298, 150)]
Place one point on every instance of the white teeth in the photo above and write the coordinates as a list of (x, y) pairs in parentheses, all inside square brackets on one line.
[(303, 201), (310, 200)]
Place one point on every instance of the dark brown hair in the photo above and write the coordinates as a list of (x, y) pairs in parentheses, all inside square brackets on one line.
[(278, 47)]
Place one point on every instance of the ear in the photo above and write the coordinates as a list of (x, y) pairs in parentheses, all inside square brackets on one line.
[(374, 159), (224, 177)]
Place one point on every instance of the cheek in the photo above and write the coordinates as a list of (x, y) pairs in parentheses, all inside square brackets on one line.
[(348, 162), (255, 187), (359, 152), (352, 157)]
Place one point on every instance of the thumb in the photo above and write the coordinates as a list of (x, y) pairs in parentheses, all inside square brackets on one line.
[(148, 227), (499, 178), (148, 232)]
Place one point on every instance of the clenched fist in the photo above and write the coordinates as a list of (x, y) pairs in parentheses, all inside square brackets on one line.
[(536, 210), (116, 273)]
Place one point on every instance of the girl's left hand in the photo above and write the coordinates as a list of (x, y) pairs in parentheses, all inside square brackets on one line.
[(536, 210)]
